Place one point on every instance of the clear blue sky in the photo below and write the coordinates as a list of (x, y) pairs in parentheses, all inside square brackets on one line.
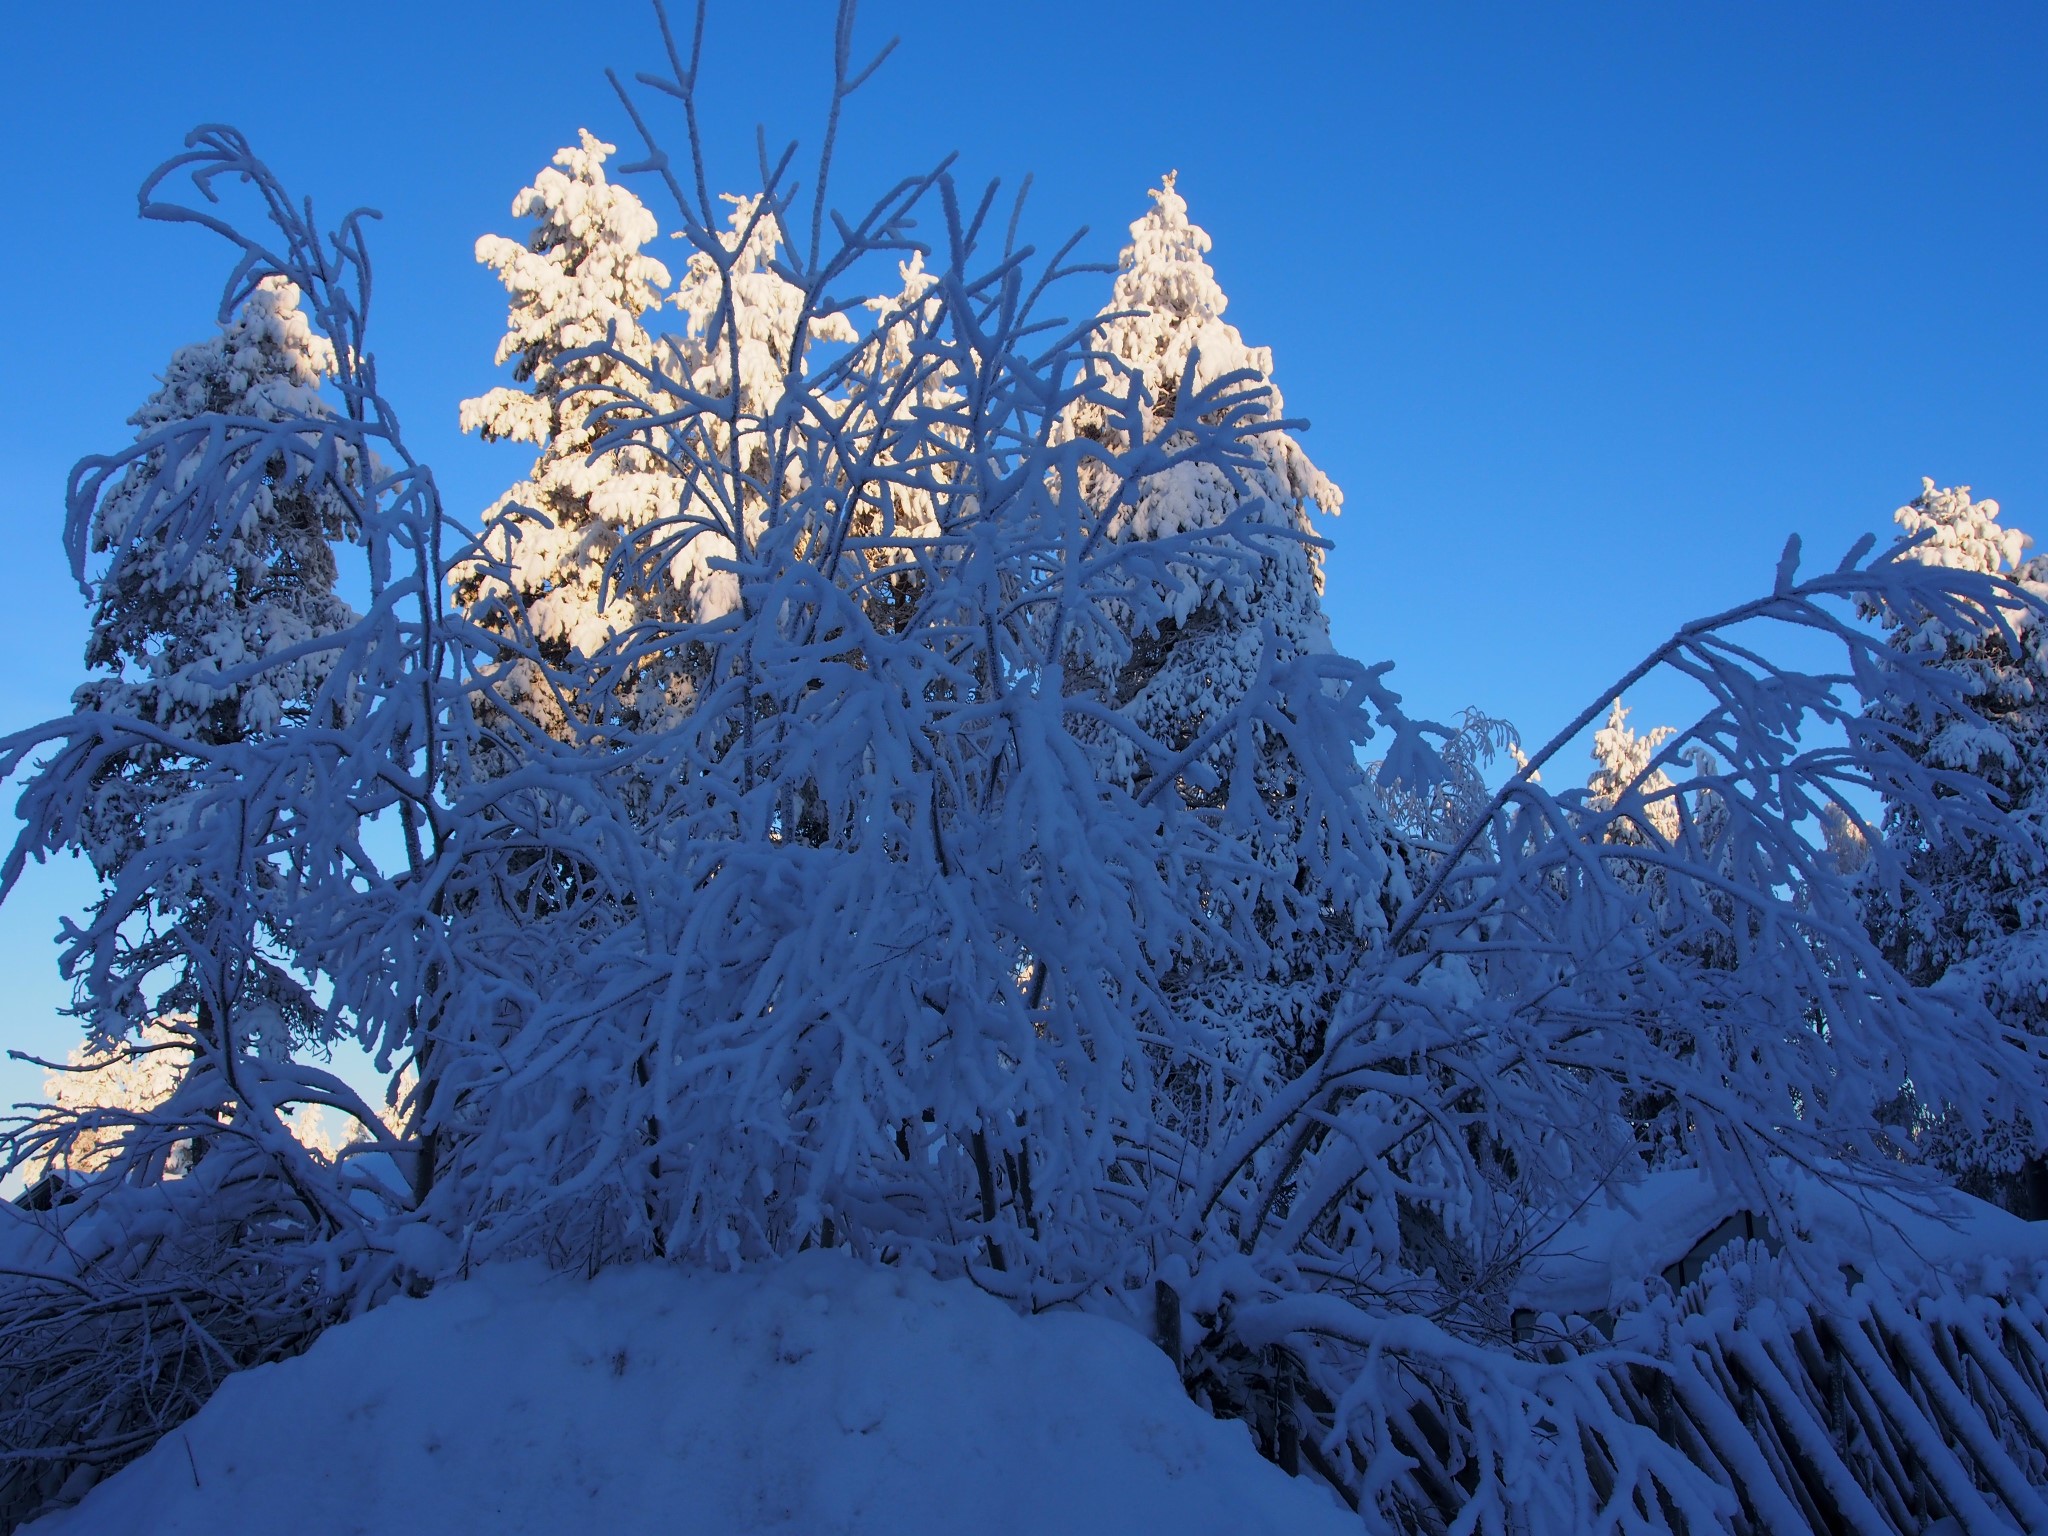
[(1590, 305)]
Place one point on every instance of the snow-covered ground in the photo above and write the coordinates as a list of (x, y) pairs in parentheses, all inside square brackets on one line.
[(823, 1397)]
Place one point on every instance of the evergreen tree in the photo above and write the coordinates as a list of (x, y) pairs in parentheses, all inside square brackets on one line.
[(580, 289), (1971, 909), (739, 358), (744, 314), (128, 1079), (1243, 601), (605, 549), (1166, 312), (914, 391), (208, 632), (1622, 760), (1633, 809)]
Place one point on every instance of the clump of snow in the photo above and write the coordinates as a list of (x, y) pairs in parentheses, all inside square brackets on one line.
[(820, 1396)]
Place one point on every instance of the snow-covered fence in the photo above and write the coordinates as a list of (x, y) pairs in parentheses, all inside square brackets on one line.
[(1879, 1410), (1785, 1397)]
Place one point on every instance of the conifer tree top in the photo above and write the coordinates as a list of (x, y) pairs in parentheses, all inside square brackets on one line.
[(173, 612), (762, 308), (1965, 535), (580, 280), (1962, 534), (1168, 306)]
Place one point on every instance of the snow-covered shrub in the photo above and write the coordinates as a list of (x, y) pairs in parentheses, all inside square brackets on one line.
[(879, 952), (1565, 969)]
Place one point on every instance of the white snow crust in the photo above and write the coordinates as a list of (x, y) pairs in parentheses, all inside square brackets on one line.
[(821, 1396)]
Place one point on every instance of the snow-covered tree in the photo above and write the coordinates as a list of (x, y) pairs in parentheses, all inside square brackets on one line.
[(209, 632), (750, 339), (1623, 761), (1163, 331), (581, 284), (222, 773), (215, 636), (608, 545), (246, 721), (1224, 682), (1970, 899), (133, 1078), (751, 325), (1968, 908)]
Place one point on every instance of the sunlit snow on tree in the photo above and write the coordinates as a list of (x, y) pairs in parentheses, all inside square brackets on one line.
[(581, 282)]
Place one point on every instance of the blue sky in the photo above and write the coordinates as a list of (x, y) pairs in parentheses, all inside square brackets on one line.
[(1590, 306)]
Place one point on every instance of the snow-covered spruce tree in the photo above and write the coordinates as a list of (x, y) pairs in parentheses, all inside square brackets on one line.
[(1220, 685), (1623, 761), (563, 564), (210, 635), (204, 637), (1967, 909), (751, 326), (1231, 708), (99, 1083), (582, 281), (107, 1091)]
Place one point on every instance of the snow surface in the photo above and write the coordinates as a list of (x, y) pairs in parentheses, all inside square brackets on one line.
[(1600, 1257), (822, 1396), (1610, 1243)]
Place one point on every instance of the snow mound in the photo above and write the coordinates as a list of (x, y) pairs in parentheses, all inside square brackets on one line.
[(825, 1396)]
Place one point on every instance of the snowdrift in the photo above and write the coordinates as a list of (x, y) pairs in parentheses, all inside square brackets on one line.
[(824, 1396)]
